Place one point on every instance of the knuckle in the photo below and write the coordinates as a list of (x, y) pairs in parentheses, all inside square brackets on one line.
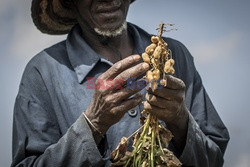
[(142, 68), (101, 91), (130, 59), (182, 85), (180, 99), (114, 101), (113, 113), (117, 67), (111, 100), (107, 99)]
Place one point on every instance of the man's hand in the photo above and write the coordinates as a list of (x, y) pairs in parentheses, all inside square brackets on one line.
[(168, 104), (109, 105)]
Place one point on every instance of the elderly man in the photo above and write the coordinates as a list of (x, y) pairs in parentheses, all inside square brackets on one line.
[(60, 121)]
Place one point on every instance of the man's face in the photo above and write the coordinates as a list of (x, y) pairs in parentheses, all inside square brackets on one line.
[(102, 15)]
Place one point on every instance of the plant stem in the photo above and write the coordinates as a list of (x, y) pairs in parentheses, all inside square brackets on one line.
[(152, 151), (145, 129)]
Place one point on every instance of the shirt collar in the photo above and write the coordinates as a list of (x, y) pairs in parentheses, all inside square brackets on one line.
[(141, 38), (83, 58)]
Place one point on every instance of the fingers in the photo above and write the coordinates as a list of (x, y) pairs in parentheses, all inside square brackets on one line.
[(175, 83), (175, 90), (121, 95), (156, 101), (158, 112), (120, 66), (126, 105), (168, 94), (161, 102), (133, 72), (169, 114)]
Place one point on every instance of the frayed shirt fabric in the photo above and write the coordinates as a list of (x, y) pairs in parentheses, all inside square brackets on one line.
[(49, 129)]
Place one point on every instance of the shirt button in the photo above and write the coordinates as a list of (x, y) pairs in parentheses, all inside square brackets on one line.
[(132, 113)]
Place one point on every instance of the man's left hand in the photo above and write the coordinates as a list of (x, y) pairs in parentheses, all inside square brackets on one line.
[(168, 104)]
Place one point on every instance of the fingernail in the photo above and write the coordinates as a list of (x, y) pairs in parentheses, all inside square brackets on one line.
[(145, 66), (136, 57)]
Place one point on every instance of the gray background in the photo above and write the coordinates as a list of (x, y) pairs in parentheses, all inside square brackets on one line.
[(216, 32)]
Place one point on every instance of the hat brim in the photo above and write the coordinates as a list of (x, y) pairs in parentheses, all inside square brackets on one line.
[(51, 17)]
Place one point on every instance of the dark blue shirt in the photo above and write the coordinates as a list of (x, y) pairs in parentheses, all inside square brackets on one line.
[(49, 129)]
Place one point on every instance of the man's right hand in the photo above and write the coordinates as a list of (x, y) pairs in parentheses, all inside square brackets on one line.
[(109, 105)]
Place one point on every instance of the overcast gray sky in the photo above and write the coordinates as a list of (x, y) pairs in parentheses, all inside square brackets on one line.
[(215, 32)]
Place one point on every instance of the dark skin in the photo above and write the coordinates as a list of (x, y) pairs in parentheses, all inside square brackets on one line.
[(95, 14), (109, 105)]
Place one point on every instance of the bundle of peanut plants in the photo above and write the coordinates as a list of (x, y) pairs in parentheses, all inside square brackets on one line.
[(150, 142)]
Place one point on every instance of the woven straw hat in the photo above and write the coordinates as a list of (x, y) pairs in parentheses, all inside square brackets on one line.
[(52, 17)]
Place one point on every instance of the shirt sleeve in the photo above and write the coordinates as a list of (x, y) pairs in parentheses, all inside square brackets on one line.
[(37, 142), (37, 139), (207, 136)]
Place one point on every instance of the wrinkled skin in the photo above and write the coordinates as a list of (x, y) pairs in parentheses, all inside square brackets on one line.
[(167, 103), (108, 106), (102, 14)]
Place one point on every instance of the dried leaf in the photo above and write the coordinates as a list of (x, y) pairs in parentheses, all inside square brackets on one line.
[(144, 112), (142, 120), (135, 139), (165, 136), (170, 159), (120, 150)]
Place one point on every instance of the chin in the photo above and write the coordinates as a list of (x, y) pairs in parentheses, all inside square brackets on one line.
[(111, 32)]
